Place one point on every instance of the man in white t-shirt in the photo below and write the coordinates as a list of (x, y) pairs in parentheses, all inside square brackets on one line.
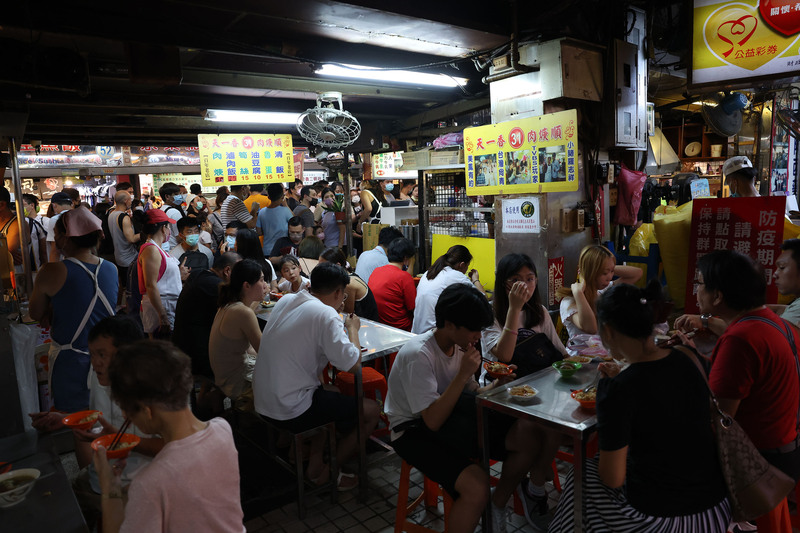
[(432, 415), (172, 199), (303, 335), (233, 207)]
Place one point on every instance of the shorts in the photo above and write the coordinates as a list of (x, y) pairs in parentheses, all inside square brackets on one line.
[(122, 272), (326, 406), (442, 455)]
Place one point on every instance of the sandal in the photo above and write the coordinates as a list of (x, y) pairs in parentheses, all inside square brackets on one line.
[(346, 482)]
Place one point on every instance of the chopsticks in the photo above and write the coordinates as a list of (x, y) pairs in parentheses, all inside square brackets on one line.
[(119, 434), (672, 341)]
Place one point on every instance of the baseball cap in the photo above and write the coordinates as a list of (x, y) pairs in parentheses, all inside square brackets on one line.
[(61, 198), (735, 164), (154, 216)]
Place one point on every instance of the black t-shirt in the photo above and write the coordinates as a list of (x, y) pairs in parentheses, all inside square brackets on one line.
[(660, 410), (194, 316), (283, 246)]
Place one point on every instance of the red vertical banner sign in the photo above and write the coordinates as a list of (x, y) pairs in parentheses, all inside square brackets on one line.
[(752, 226), (555, 278)]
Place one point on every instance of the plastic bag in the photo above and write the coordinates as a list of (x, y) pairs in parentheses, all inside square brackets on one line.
[(447, 140), (630, 184), (643, 237), (23, 346), (672, 231)]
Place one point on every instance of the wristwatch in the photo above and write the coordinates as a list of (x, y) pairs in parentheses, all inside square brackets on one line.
[(704, 320)]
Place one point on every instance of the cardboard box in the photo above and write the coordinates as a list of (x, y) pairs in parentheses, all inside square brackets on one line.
[(447, 157), (416, 160)]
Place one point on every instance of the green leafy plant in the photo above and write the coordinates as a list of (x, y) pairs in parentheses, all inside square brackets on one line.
[(337, 206)]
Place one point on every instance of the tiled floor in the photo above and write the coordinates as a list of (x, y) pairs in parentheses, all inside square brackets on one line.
[(376, 514)]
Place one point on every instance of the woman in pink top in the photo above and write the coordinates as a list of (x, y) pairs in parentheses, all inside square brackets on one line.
[(193, 482)]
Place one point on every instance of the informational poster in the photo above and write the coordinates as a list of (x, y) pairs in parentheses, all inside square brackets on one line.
[(555, 278), (387, 166), (521, 215), (532, 155), (744, 39), (699, 188), (752, 226), (242, 159)]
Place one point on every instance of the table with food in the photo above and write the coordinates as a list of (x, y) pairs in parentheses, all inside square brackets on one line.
[(561, 397)]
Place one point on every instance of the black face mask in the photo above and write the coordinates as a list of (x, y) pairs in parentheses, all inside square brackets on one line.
[(314, 202)]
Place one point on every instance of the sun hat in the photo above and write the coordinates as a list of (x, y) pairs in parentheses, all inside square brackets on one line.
[(80, 221)]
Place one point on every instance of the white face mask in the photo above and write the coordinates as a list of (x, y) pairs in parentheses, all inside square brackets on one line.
[(356, 199)]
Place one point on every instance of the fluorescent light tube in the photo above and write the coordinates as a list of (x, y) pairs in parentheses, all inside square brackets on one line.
[(253, 117), (395, 76)]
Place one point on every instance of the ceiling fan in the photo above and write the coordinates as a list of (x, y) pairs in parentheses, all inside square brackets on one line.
[(722, 112), (326, 125)]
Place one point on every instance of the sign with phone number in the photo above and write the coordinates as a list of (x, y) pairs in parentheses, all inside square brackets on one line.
[(243, 159)]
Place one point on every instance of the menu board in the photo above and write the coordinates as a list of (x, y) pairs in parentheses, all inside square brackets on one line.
[(242, 159), (752, 226), (387, 166), (739, 41), (532, 155)]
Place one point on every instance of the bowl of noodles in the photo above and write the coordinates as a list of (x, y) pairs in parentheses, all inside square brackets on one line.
[(496, 369), (587, 399), (567, 369), (523, 394), (81, 420), (15, 485), (127, 442)]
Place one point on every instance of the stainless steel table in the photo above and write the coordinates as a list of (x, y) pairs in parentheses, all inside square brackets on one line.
[(552, 408), (379, 340), (51, 503)]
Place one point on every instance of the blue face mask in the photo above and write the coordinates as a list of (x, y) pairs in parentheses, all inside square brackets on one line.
[(231, 242), (192, 240), (389, 187), (178, 199)]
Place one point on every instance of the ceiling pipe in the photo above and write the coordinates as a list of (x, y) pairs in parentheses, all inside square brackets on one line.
[(516, 67)]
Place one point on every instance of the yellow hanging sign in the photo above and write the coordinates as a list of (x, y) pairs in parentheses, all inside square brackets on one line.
[(243, 159), (532, 155)]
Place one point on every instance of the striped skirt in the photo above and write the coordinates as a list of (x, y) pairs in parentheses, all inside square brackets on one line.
[(608, 510)]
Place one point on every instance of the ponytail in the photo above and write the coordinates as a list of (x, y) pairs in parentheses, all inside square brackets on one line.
[(455, 255)]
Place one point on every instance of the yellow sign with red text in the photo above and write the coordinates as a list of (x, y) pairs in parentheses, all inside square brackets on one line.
[(532, 155), (243, 159), (741, 40)]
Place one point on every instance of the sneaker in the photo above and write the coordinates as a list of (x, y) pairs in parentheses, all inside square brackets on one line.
[(499, 519), (742, 527), (535, 508)]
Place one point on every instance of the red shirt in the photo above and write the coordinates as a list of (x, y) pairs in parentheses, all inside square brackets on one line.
[(754, 363), (394, 293)]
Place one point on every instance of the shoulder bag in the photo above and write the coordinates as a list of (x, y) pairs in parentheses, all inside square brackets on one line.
[(755, 487)]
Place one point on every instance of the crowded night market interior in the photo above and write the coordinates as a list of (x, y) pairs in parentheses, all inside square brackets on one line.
[(234, 237)]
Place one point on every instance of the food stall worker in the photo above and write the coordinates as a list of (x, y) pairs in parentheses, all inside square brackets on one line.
[(740, 177)]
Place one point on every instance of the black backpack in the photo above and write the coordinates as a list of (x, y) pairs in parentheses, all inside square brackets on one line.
[(107, 243), (195, 259)]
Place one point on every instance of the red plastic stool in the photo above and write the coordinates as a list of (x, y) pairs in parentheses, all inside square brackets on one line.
[(591, 451), (372, 381), (430, 494), (776, 521)]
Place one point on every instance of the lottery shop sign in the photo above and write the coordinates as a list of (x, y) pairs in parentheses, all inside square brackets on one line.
[(752, 226), (744, 39), (242, 159), (532, 155)]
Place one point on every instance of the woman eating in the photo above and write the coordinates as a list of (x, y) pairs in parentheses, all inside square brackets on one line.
[(360, 299), (448, 269), (159, 277), (192, 484), (522, 333), (597, 267), (235, 334), (293, 278), (73, 295), (658, 468)]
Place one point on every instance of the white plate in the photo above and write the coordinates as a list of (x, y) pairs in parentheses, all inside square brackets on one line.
[(523, 399), (693, 149)]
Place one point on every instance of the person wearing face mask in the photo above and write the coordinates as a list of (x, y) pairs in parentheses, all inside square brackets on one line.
[(189, 253), (172, 198), (393, 287), (308, 200), (355, 202), (388, 187), (334, 234), (288, 244), (740, 177), (159, 276)]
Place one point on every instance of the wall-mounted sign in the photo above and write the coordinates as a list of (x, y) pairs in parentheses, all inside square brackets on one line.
[(245, 158), (387, 166), (752, 226), (555, 278), (537, 154), (737, 41), (521, 215)]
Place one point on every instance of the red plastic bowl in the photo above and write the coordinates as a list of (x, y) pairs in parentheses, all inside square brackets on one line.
[(495, 374), (73, 421), (128, 440), (586, 404)]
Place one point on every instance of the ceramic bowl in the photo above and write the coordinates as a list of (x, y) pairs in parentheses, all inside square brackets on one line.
[(567, 369), (15, 485)]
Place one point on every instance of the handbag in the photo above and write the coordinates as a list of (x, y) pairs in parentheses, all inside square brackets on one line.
[(755, 487), (533, 352)]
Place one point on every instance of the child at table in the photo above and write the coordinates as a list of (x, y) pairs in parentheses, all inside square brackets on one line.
[(293, 279), (432, 415), (658, 468)]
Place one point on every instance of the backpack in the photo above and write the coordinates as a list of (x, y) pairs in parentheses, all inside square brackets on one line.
[(194, 259)]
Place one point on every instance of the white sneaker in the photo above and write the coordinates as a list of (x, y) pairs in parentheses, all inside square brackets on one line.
[(499, 519)]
